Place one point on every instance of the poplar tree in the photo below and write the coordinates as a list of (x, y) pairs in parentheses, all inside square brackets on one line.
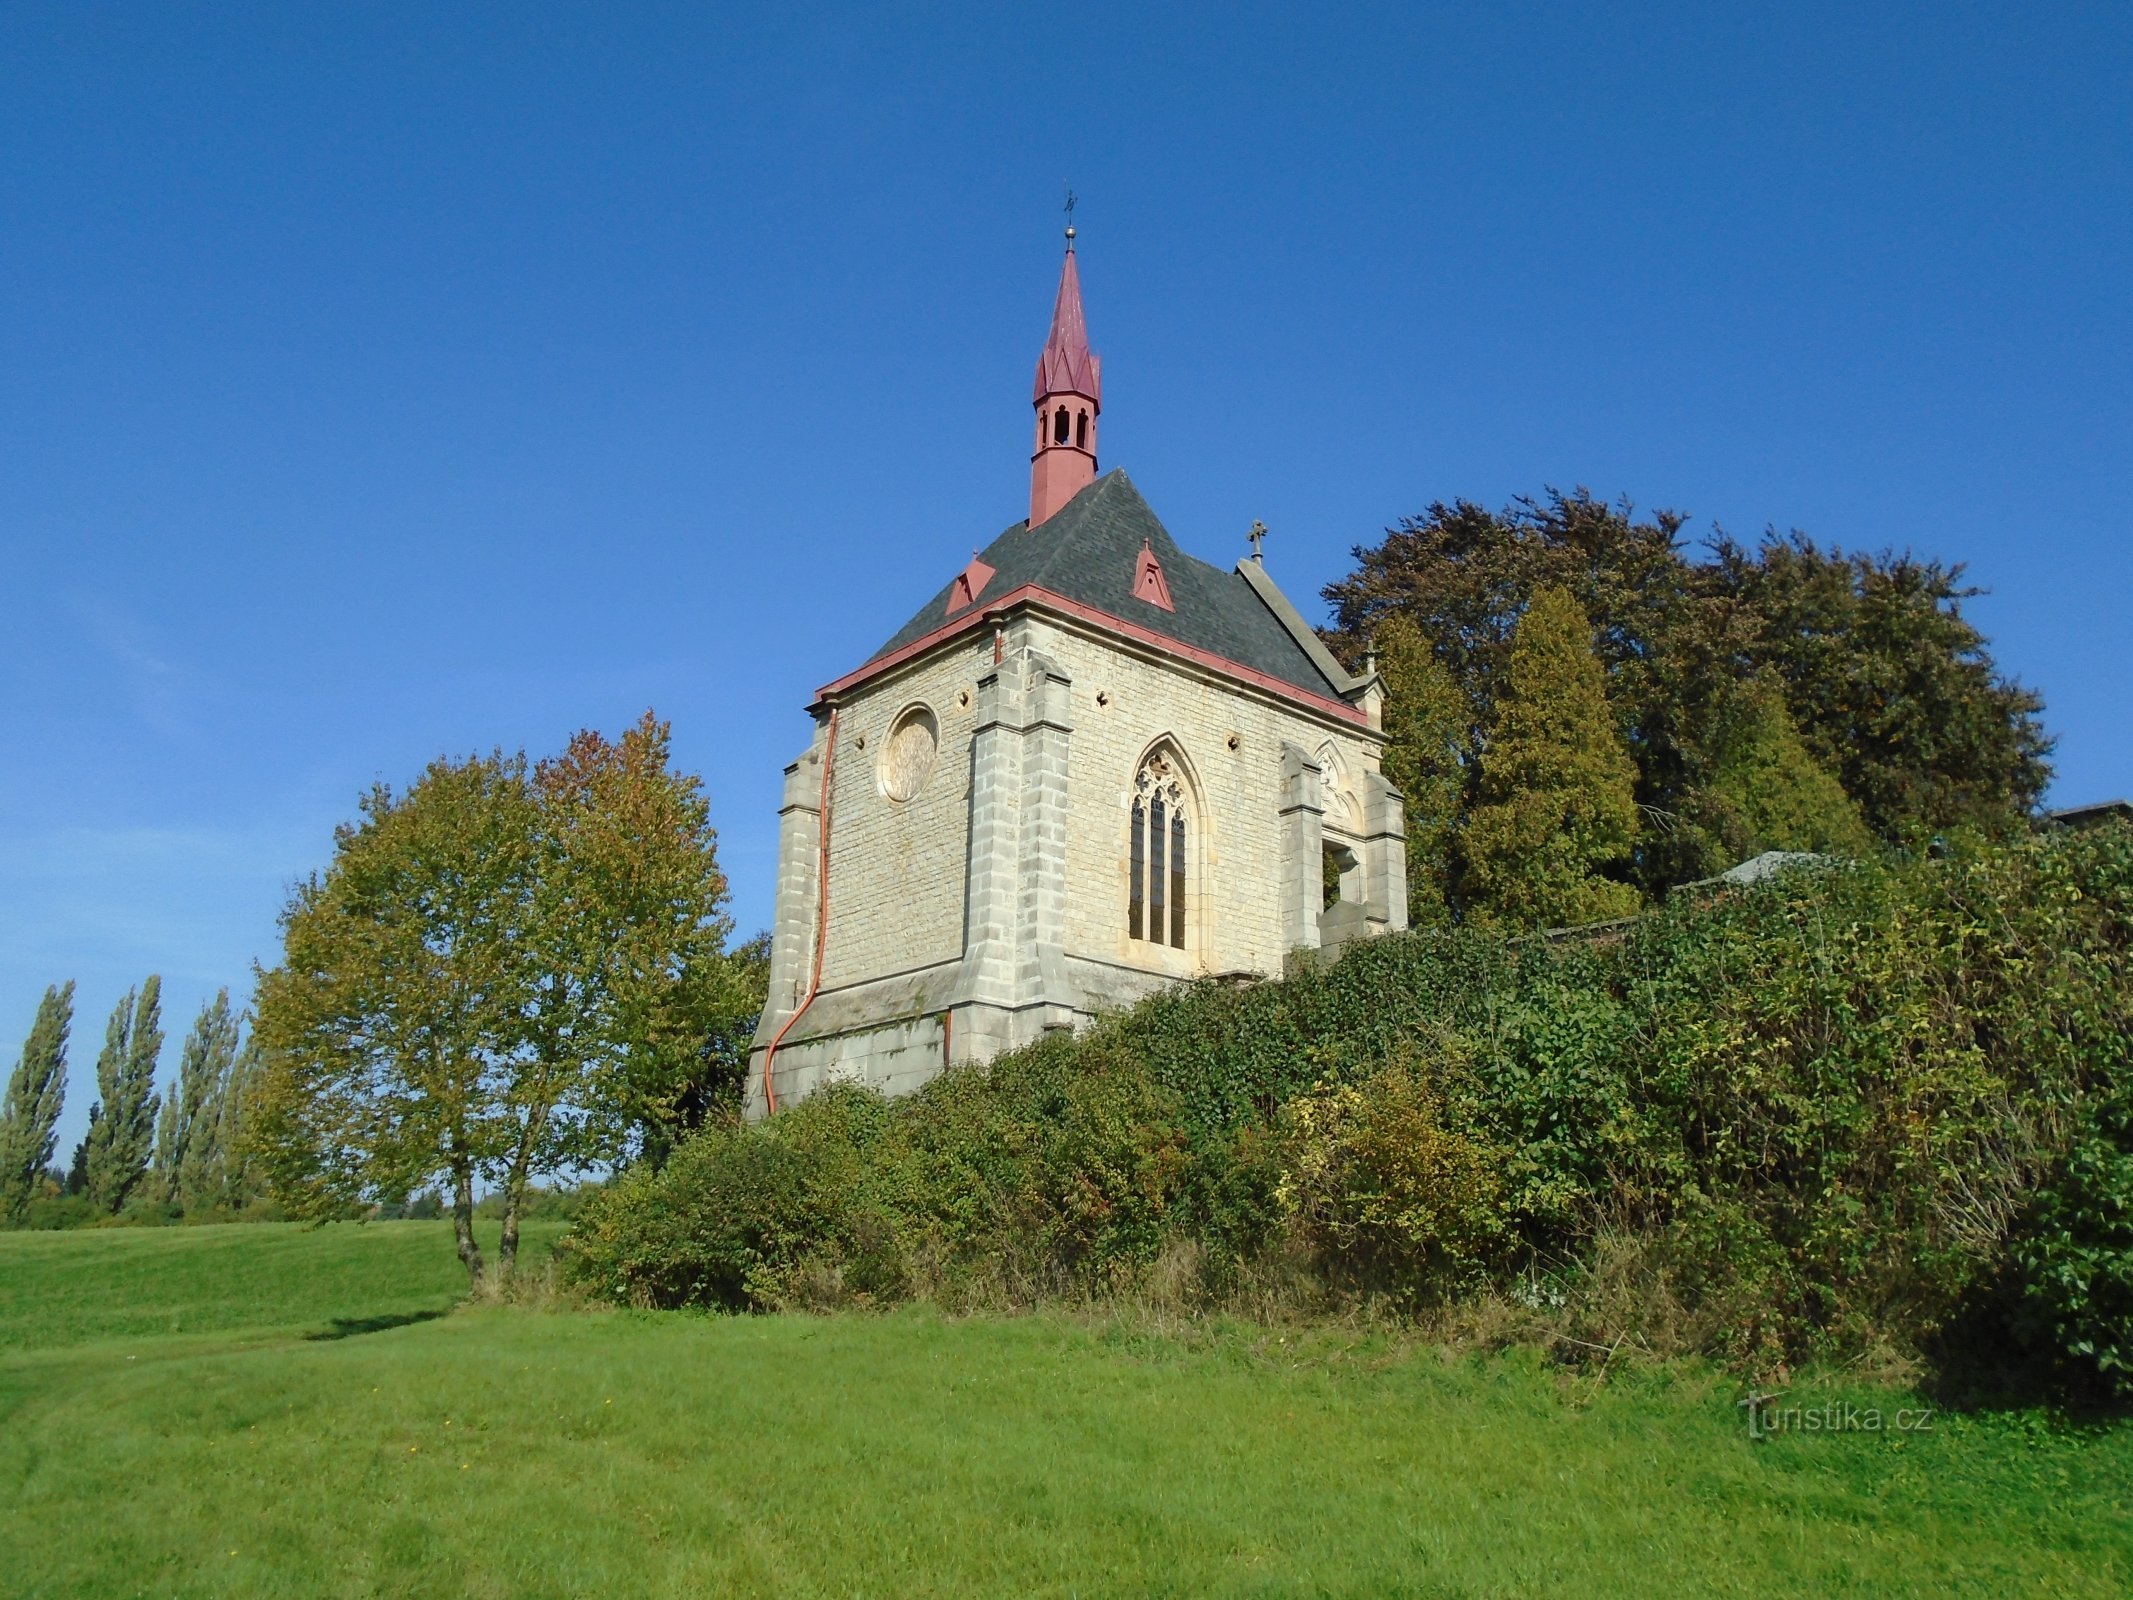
[(29, 1116), (122, 1134), (188, 1136), (78, 1163), (1426, 748), (230, 1177), (162, 1180), (1558, 788)]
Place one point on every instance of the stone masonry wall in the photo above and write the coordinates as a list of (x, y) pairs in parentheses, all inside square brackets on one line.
[(1231, 743), (896, 867), (901, 890)]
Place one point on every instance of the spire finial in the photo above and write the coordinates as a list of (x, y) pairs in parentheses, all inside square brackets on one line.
[(1258, 538), (1070, 218)]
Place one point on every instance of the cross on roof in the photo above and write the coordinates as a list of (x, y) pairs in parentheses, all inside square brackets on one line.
[(1258, 538)]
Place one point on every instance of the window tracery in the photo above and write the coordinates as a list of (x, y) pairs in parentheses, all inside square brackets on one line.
[(1157, 861), (908, 754)]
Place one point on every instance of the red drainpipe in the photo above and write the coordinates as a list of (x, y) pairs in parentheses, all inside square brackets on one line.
[(822, 919)]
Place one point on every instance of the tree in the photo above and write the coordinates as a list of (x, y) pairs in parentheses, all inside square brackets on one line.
[(122, 1127), (1894, 690), (1765, 789), (1890, 687), (708, 1075), (397, 985), (1426, 755), (188, 1133), (229, 1176), (36, 1090), (503, 973), (162, 1180), (1558, 789), (627, 930), (1464, 576), (78, 1163)]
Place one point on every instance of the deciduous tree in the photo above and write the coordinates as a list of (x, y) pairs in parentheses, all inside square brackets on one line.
[(1891, 688), (122, 1128), (503, 973), (391, 1021), (188, 1137), (231, 1177), (36, 1090)]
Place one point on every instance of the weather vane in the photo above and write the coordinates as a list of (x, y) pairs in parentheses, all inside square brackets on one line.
[(1070, 217)]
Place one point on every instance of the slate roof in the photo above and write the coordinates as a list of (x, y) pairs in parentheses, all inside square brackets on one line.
[(1088, 552)]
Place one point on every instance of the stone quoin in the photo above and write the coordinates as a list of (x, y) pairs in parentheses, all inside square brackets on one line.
[(1090, 766)]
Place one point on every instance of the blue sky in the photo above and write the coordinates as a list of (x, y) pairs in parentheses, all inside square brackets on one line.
[(384, 381)]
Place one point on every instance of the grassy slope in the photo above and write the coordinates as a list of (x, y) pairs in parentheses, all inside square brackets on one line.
[(260, 1279), (510, 1453)]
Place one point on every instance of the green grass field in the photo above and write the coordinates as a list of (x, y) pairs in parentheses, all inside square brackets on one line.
[(272, 1411)]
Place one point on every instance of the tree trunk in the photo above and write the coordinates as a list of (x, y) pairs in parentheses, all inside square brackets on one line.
[(463, 1225), (515, 1191), (507, 1250)]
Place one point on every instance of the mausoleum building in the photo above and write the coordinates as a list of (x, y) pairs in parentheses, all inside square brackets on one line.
[(1089, 766)]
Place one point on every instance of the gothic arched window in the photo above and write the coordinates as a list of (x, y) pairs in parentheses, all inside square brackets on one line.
[(1162, 833), (1059, 427), (1081, 430)]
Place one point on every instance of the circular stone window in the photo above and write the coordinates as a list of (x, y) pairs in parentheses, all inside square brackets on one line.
[(907, 755)]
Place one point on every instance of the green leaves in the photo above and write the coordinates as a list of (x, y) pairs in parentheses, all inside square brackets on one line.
[(503, 972), (1823, 1112), (1763, 789), (122, 1130), (1387, 1195), (2076, 1256), (1557, 796), (1895, 691), (1427, 748), (35, 1092), (196, 1165), (1889, 689)]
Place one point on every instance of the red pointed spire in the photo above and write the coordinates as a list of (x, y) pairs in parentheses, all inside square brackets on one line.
[(1068, 398), (1067, 365)]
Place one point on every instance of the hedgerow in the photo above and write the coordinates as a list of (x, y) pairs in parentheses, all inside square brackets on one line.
[(1833, 1109)]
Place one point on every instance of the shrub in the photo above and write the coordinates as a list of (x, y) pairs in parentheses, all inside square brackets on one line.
[(1386, 1197), (1813, 1113), (55, 1211), (2076, 1263), (735, 1212), (1054, 1170), (538, 1204)]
